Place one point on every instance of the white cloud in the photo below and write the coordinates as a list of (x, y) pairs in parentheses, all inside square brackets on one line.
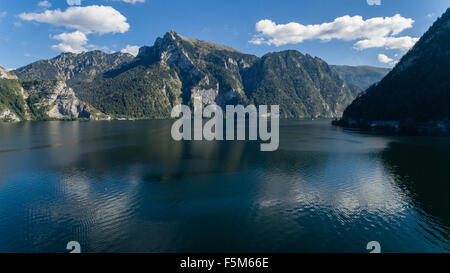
[(101, 48), (402, 43), (373, 32), (374, 2), (73, 2), (44, 4), (432, 16), (85, 20), (133, 1), (74, 42), (386, 60), (90, 19), (133, 50), (3, 14)]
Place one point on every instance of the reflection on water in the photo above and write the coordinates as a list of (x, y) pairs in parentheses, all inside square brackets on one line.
[(128, 187)]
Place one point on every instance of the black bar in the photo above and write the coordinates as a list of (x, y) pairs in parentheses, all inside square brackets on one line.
[(222, 262)]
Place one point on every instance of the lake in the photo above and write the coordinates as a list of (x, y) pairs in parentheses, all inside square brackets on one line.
[(126, 186)]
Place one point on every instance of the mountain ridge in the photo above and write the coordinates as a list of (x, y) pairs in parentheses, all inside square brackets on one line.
[(362, 76), (68, 65), (175, 69)]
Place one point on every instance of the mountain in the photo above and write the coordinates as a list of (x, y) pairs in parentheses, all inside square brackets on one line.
[(170, 72), (416, 92), (177, 68), (40, 100), (361, 76), (97, 85), (54, 99), (45, 85), (303, 86), (12, 98), (70, 65), (5, 74)]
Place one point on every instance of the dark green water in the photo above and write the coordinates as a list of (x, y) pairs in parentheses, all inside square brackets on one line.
[(127, 187)]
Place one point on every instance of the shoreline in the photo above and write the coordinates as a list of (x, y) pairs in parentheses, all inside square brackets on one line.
[(393, 127), (144, 119)]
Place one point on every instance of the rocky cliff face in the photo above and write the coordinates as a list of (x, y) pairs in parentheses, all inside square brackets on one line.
[(47, 82), (58, 101), (7, 115), (44, 99), (4, 74), (13, 97)]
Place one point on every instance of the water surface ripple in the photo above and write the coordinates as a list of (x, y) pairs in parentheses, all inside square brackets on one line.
[(125, 186)]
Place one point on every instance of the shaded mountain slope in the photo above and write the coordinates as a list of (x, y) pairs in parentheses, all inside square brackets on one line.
[(416, 91)]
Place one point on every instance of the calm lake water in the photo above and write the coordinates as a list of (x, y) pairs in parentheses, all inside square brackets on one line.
[(125, 186)]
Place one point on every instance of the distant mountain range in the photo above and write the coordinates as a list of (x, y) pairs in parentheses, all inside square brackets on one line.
[(96, 85), (361, 76), (416, 93)]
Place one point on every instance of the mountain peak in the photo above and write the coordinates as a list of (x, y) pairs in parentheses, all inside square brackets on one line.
[(433, 43), (171, 35), (172, 40), (5, 74)]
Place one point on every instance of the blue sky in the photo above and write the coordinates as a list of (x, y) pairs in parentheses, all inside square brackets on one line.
[(353, 32)]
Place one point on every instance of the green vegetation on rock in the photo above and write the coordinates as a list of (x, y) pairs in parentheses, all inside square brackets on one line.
[(303, 86), (11, 98)]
